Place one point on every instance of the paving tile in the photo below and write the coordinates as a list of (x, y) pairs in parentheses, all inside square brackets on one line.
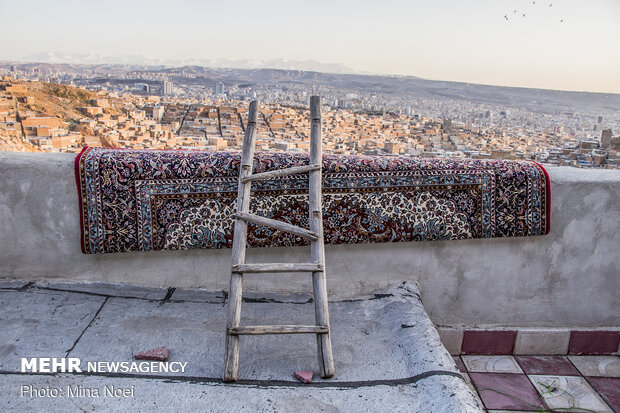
[(491, 364), (541, 341), (488, 342), (569, 392), (459, 364), (501, 391), (41, 325), (598, 366), (594, 342), (114, 290), (609, 389), (547, 365), (452, 339)]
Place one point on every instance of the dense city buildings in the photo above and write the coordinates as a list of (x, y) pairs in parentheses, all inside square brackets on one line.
[(47, 109)]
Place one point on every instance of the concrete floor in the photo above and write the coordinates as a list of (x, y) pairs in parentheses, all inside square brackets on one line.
[(387, 352)]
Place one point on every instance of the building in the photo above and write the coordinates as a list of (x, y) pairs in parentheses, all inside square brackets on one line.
[(158, 113), (606, 138), (167, 88), (218, 89), (142, 87)]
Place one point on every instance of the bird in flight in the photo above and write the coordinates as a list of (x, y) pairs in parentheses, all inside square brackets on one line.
[(506, 16), (550, 4), (524, 14)]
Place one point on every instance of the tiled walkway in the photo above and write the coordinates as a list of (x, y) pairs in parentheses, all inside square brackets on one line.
[(544, 383)]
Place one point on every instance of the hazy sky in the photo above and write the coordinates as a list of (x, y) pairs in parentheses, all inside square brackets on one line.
[(461, 40)]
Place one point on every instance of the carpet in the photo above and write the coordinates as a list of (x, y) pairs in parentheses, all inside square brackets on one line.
[(142, 200)]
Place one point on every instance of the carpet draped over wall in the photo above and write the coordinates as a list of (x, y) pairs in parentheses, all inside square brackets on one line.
[(142, 200)]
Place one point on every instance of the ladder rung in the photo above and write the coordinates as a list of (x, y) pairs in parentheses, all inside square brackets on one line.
[(280, 225), (281, 172), (278, 329), (277, 267)]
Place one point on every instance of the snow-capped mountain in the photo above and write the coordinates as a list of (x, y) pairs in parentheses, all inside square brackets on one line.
[(98, 58)]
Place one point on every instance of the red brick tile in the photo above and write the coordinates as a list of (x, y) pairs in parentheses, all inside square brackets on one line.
[(593, 342), (503, 391), (488, 342), (609, 389), (548, 365)]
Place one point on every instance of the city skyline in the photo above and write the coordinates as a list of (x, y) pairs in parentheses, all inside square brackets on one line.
[(204, 109), (559, 44)]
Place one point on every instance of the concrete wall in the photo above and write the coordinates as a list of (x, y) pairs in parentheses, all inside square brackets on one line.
[(567, 278)]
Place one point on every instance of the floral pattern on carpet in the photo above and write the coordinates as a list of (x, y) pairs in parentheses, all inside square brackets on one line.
[(141, 200)]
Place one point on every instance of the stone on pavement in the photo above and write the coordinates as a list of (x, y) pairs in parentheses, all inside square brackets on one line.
[(156, 354), (304, 376)]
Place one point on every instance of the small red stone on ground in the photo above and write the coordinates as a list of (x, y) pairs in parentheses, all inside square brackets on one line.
[(304, 376), (157, 354)]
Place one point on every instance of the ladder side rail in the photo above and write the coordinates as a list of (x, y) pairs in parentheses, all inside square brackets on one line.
[(317, 251), (239, 246)]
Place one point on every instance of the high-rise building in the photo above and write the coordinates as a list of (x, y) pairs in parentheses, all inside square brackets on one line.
[(600, 119), (167, 88), (218, 88)]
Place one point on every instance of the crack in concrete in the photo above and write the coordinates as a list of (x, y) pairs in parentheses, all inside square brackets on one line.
[(30, 286), (89, 324), (255, 382), (261, 300), (24, 287), (374, 297), (170, 293), (167, 296)]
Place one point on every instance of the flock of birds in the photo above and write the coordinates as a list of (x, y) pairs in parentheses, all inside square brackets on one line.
[(525, 14)]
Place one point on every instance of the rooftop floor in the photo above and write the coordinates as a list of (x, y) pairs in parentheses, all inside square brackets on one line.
[(387, 352)]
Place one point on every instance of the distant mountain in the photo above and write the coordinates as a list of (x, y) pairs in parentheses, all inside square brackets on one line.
[(98, 59), (537, 100), (206, 74)]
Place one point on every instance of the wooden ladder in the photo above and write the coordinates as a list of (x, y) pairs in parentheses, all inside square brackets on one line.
[(314, 234)]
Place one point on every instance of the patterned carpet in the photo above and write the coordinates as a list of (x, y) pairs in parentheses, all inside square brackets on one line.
[(140, 200)]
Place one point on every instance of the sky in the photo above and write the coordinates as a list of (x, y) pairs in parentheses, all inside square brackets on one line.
[(570, 45)]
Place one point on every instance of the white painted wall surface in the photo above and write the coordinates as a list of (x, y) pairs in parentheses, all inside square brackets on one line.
[(569, 277)]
